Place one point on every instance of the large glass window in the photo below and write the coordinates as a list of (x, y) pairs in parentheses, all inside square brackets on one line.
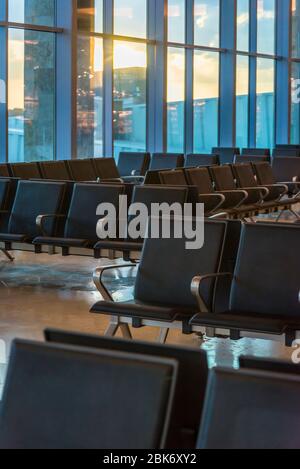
[(296, 28), (176, 20), (129, 116), (176, 99), (90, 15), (130, 18), (31, 82), (242, 101), (206, 21), (243, 16), (265, 103), (266, 14), (206, 101), (295, 107)]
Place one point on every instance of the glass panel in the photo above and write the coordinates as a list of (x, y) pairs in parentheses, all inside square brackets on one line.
[(207, 18), (32, 12), (31, 95), (175, 99), (206, 101), (296, 28), (266, 26), (242, 101), (90, 98), (295, 107), (130, 18), (130, 96), (243, 18), (90, 15), (176, 20), (265, 103)]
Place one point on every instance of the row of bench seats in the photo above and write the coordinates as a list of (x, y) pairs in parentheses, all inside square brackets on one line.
[(135, 395), (228, 154), (246, 189), (134, 166), (245, 279)]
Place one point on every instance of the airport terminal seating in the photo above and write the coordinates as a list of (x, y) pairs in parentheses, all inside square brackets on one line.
[(251, 159), (256, 152), (226, 154), (133, 164), (195, 160), (66, 397), (25, 170), (161, 161)]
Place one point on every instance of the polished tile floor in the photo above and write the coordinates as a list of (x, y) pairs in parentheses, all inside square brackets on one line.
[(50, 291)]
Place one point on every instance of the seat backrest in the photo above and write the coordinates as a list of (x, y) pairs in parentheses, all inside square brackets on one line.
[(34, 198), (82, 170), (158, 194), (168, 281), (26, 170), (82, 217), (226, 154), (292, 152), (223, 178), (152, 177), (131, 163), (5, 170), (72, 398), (191, 382), (250, 410), (55, 170), (271, 365), (286, 169), (251, 159), (166, 161), (267, 273), (8, 189), (244, 175), (264, 173), (173, 178), (106, 168), (195, 160), (256, 152), (200, 177)]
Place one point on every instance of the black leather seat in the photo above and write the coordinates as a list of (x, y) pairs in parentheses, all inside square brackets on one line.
[(82, 170), (269, 365), (241, 159), (146, 195), (55, 170), (195, 160), (133, 164), (163, 282), (226, 154), (213, 203), (256, 152), (5, 170), (265, 285), (82, 219), (250, 410), (106, 169), (287, 169), (161, 161), (286, 152), (8, 188), (26, 170), (34, 198), (191, 382), (61, 397)]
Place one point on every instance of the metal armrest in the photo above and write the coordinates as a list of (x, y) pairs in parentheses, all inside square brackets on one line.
[(196, 285), (98, 279), (41, 218), (218, 198), (244, 196)]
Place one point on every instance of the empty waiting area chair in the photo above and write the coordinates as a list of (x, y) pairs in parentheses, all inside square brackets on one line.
[(81, 221), (190, 386), (256, 152), (241, 159), (265, 285), (5, 170), (55, 170), (161, 161), (33, 199), (287, 169), (251, 410), (26, 170), (82, 170), (106, 169), (286, 151), (59, 397), (133, 164), (226, 154), (196, 160)]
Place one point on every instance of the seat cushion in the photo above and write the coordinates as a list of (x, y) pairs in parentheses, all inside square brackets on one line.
[(120, 245), (14, 238), (136, 309), (64, 242), (247, 322)]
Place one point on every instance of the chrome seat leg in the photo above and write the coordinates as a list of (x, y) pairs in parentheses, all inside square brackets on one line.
[(9, 256), (163, 335)]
